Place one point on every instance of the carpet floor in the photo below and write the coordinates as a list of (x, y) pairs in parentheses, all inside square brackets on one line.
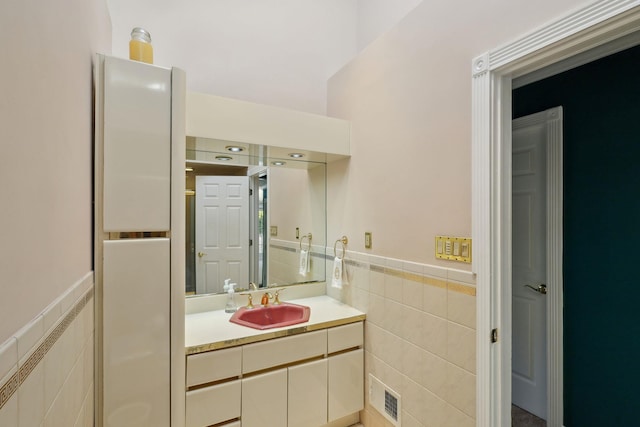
[(522, 418)]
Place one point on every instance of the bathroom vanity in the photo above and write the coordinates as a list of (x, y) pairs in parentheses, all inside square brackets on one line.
[(308, 374)]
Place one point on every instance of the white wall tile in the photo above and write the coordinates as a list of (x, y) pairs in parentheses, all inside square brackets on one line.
[(461, 346), (9, 412), (412, 401), (461, 308), (29, 335), (51, 316), (8, 356), (54, 391), (412, 326), (435, 409), (466, 277), (31, 398), (393, 317), (435, 374), (419, 338), (413, 293), (435, 334), (461, 389), (393, 287), (433, 271)]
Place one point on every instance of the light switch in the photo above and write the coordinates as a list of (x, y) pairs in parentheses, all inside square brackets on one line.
[(456, 248), (453, 248), (465, 250)]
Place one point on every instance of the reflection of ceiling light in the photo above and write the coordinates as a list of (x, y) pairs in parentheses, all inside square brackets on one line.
[(234, 148), (188, 169), (278, 163), (296, 155), (224, 158)]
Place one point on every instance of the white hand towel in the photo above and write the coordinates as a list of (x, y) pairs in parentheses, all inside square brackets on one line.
[(304, 262), (336, 280)]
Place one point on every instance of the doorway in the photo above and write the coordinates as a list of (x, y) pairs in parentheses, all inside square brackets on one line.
[(493, 74)]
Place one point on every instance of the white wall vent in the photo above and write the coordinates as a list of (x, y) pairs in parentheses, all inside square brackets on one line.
[(385, 400)]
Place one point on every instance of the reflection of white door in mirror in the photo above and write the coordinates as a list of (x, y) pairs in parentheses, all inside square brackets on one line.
[(222, 235)]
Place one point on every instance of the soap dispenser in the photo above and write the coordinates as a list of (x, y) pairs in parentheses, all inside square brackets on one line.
[(231, 302)]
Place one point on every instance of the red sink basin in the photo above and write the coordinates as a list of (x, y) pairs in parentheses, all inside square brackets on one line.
[(271, 316)]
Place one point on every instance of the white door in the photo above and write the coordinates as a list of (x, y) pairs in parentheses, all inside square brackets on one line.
[(529, 304), (222, 232)]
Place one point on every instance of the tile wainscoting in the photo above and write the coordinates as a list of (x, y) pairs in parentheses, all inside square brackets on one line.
[(46, 368), (419, 336)]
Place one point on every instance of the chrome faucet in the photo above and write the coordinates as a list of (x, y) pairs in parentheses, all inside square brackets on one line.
[(252, 286)]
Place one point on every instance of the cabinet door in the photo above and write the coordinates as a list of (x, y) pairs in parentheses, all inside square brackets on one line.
[(264, 400), (137, 146), (346, 384), (136, 351), (210, 405), (308, 394)]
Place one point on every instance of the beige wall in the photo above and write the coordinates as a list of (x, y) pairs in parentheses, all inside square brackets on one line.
[(45, 150), (408, 96)]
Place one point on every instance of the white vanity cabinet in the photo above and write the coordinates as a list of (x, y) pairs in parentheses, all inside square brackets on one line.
[(304, 380)]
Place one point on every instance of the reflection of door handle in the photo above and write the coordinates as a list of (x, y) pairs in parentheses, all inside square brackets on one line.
[(541, 288), (200, 254)]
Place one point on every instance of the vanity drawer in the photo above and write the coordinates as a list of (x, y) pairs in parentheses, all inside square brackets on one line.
[(268, 354), (345, 337), (212, 366), (215, 404)]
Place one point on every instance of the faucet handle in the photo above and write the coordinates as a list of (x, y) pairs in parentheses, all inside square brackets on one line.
[(252, 286), (276, 297), (250, 300)]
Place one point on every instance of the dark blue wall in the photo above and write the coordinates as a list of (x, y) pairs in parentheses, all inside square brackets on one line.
[(601, 104)]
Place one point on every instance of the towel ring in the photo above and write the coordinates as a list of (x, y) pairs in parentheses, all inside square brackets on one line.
[(344, 240), (306, 236)]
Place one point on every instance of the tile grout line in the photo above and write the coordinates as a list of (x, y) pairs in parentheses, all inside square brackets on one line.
[(8, 389)]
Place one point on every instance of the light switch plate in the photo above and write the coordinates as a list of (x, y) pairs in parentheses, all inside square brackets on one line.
[(453, 248), (274, 230), (367, 240)]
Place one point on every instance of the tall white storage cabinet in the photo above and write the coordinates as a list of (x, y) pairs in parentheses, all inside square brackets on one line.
[(139, 246)]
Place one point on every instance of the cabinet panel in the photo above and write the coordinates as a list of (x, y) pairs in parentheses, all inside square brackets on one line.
[(345, 337), (308, 394), (137, 146), (212, 405), (213, 366), (346, 384), (264, 400), (136, 354), (263, 355)]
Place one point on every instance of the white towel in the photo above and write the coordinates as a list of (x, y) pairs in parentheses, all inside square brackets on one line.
[(304, 262), (336, 280)]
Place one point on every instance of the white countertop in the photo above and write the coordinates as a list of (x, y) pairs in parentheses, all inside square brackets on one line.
[(211, 330)]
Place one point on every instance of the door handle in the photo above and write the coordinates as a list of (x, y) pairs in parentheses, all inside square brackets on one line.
[(200, 254), (541, 288)]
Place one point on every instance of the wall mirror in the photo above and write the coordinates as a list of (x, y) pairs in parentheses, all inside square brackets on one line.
[(254, 214)]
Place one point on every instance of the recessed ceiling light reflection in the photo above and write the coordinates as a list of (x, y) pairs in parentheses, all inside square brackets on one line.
[(224, 158), (296, 155), (278, 163), (234, 148)]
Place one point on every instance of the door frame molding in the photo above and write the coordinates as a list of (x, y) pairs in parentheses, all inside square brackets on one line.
[(492, 74)]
